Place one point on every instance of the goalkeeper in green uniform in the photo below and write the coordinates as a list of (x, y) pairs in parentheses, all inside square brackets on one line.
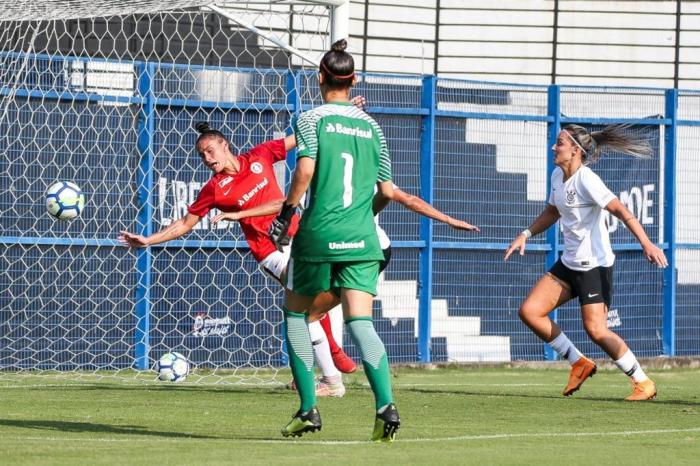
[(341, 155)]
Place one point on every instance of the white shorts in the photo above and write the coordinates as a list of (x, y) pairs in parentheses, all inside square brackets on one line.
[(275, 264)]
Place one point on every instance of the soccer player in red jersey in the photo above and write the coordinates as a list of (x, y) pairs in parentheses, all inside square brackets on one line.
[(243, 185)]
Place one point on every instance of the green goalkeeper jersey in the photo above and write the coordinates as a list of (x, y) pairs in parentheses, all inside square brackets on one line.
[(351, 156)]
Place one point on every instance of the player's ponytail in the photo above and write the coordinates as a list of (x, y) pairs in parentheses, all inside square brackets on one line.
[(616, 137), (206, 131), (337, 66)]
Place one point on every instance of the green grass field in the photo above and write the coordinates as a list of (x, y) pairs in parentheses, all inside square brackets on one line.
[(449, 416)]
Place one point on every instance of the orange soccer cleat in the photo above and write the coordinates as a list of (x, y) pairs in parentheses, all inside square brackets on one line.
[(642, 391), (580, 371)]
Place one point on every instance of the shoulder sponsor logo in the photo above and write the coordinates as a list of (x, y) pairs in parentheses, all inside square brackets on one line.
[(592, 295), (225, 181), (256, 167), (343, 245), (251, 194), (344, 130), (204, 325)]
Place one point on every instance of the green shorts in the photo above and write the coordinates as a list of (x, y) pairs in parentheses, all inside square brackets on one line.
[(312, 278)]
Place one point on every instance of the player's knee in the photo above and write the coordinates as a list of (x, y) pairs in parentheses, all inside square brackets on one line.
[(596, 331), (527, 312)]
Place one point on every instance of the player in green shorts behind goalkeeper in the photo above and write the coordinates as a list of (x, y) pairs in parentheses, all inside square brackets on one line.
[(341, 155)]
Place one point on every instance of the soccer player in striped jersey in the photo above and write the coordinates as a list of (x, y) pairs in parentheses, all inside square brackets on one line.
[(319, 310), (341, 155), (578, 198)]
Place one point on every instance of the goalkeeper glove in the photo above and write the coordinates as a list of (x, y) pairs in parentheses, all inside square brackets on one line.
[(279, 229)]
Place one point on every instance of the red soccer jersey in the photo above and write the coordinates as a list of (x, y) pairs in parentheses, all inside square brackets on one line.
[(254, 184)]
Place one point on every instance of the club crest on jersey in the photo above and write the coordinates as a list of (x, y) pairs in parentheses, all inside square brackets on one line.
[(570, 197), (256, 167), (225, 181)]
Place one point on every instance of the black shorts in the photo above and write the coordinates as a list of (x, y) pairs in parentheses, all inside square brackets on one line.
[(592, 286), (387, 257)]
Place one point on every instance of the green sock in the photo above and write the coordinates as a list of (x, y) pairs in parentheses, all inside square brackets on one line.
[(301, 357), (374, 358)]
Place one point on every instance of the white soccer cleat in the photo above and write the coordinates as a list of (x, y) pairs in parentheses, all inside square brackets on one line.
[(325, 387)]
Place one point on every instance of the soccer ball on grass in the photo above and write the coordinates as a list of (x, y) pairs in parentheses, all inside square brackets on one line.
[(173, 367)]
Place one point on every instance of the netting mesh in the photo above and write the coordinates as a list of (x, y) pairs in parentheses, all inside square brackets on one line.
[(105, 94)]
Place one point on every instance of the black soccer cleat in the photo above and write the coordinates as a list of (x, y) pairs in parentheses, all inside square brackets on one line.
[(309, 421), (386, 424)]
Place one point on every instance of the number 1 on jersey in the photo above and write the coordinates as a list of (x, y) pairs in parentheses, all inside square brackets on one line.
[(347, 179)]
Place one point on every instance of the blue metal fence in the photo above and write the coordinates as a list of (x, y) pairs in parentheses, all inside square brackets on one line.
[(478, 151)]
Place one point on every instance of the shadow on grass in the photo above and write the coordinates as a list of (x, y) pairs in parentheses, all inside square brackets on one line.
[(85, 427), (172, 387), (551, 397)]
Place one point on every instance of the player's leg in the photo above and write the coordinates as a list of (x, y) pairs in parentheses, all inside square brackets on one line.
[(275, 265), (323, 303), (331, 383), (357, 281), (550, 292), (298, 299), (596, 294)]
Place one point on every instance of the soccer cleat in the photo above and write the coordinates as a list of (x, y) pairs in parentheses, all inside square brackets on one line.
[(309, 421), (343, 362), (326, 388), (386, 424), (580, 371), (642, 391)]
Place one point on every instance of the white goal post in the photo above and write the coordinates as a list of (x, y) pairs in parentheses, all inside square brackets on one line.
[(106, 94)]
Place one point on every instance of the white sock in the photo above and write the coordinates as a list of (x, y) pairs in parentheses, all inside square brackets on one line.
[(322, 351), (563, 346), (630, 366)]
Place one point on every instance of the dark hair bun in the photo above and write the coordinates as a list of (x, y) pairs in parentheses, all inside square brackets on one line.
[(339, 45), (203, 127)]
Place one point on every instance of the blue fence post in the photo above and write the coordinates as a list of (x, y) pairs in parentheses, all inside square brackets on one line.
[(294, 105), (670, 142), (144, 180), (553, 128), (427, 170)]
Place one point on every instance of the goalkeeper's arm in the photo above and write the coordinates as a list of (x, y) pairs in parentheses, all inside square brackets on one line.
[(279, 229)]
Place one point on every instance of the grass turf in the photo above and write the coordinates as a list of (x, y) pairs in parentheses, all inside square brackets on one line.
[(449, 416)]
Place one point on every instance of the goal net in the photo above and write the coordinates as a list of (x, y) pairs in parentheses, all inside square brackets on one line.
[(106, 94)]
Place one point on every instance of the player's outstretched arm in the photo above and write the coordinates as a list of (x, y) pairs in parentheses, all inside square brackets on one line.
[(653, 253), (174, 230), (269, 208), (546, 219), (419, 206)]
